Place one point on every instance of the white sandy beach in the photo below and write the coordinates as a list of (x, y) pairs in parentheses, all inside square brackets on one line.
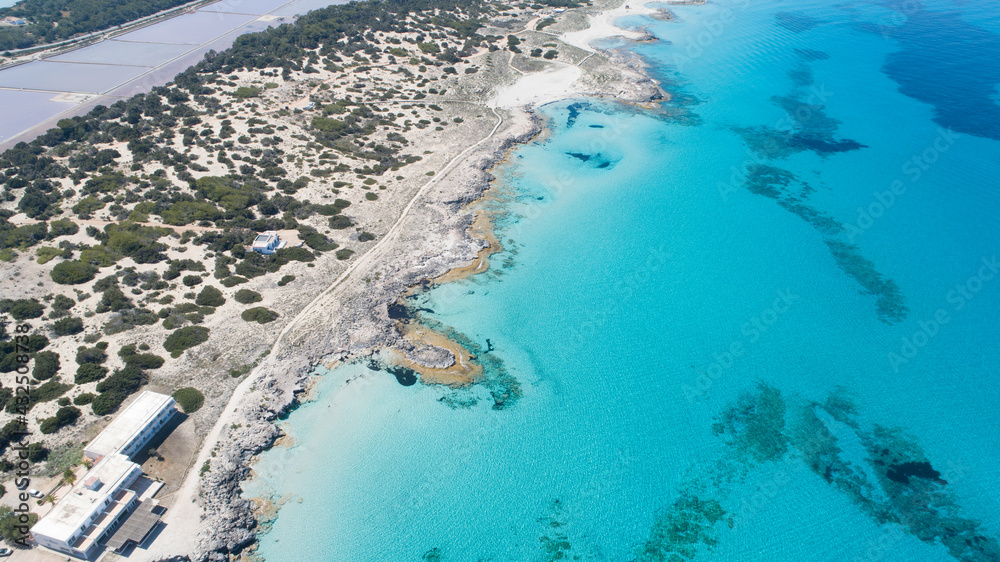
[(550, 85), (539, 88), (602, 26)]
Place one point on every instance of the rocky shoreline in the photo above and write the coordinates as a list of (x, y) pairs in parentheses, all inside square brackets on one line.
[(353, 319), (342, 333)]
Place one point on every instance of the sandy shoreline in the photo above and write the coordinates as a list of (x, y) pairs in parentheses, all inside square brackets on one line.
[(434, 238)]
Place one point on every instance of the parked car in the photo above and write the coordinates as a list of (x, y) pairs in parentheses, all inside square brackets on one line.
[(6, 552), (35, 493)]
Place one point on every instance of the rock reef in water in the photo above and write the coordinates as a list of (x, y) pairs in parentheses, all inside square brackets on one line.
[(886, 474)]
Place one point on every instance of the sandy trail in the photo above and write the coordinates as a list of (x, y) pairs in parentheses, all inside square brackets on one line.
[(183, 520)]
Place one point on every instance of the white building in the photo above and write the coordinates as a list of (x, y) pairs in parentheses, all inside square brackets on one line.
[(267, 243), (92, 510), (104, 508), (134, 427)]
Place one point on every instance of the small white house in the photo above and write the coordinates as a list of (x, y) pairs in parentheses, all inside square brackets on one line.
[(267, 243)]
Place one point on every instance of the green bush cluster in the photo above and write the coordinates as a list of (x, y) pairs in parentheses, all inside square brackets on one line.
[(67, 415), (246, 296), (67, 326), (9, 350), (107, 402), (44, 392), (210, 296), (190, 399), (185, 338), (73, 273), (96, 355), (22, 309), (90, 372), (233, 280), (46, 365), (259, 314)]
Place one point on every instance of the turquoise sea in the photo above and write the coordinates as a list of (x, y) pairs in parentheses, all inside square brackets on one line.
[(756, 323)]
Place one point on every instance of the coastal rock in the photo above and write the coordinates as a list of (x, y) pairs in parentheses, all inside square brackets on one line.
[(348, 324), (432, 356)]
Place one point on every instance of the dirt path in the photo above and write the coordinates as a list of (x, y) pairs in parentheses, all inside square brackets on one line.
[(183, 519)]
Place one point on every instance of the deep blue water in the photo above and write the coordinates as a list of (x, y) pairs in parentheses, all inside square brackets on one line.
[(755, 324)]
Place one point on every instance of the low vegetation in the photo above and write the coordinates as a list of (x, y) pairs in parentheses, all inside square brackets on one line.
[(190, 399), (259, 315), (246, 296), (184, 339)]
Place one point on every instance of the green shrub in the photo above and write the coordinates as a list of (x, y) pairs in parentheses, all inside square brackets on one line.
[(46, 365), (90, 372), (73, 273), (45, 254), (37, 452), (210, 296), (62, 302), (315, 240), (49, 391), (371, 196), (191, 280), (190, 399), (185, 338), (22, 309), (44, 392), (126, 351), (84, 399), (365, 237), (107, 402), (344, 253), (114, 300), (125, 380), (145, 361), (174, 321), (296, 253), (67, 415), (286, 280), (246, 296), (233, 281), (259, 314), (67, 326), (90, 355), (338, 222), (244, 92), (62, 227)]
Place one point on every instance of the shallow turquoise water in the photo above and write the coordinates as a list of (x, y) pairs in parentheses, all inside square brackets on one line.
[(715, 316)]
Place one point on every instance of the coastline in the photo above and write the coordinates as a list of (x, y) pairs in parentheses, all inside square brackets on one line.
[(435, 239)]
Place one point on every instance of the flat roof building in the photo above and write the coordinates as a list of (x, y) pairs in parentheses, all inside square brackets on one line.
[(93, 508), (97, 508), (134, 427)]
